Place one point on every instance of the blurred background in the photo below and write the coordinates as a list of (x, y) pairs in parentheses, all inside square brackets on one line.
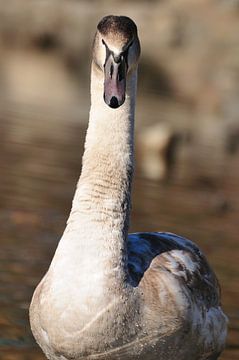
[(187, 138)]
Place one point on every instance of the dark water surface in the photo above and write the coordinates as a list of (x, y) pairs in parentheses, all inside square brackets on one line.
[(39, 164)]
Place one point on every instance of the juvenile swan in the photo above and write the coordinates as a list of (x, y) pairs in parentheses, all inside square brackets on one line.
[(109, 295)]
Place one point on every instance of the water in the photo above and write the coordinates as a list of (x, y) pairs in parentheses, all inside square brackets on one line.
[(40, 159)]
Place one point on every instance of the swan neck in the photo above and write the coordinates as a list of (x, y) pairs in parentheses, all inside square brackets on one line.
[(101, 205), (109, 147)]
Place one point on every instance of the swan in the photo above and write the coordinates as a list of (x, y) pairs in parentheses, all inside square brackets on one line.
[(110, 295)]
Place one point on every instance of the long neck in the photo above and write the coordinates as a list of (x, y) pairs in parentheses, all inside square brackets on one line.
[(101, 205)]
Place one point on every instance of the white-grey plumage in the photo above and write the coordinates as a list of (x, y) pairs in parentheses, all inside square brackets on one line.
[(109, 295)]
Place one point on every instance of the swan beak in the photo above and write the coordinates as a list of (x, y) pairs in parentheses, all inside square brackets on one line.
[(115, 70)]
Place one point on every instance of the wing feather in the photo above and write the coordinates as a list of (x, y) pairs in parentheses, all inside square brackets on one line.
[(180, 256)]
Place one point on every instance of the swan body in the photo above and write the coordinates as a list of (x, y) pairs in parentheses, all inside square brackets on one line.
[(110, 295)]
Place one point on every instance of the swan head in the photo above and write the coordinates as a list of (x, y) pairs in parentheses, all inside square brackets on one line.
[(116, 53)]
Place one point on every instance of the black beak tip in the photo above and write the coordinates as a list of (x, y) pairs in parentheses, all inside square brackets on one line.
[(114, 104)]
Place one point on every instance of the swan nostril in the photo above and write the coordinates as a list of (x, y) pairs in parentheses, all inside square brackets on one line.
[(114, 102)]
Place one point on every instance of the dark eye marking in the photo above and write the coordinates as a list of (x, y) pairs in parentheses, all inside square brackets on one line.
[(126, 51), (130, 44), (108, 52)]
